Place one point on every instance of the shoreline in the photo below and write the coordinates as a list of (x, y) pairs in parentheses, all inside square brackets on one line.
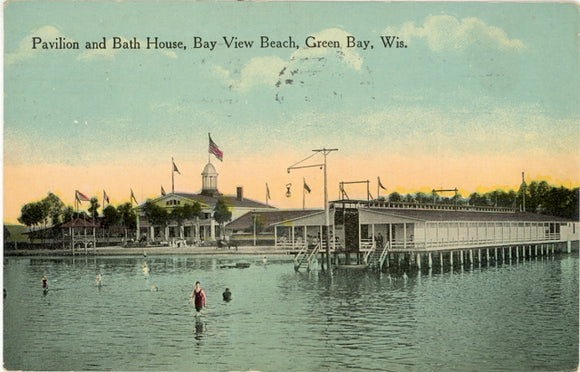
[(152, 251)]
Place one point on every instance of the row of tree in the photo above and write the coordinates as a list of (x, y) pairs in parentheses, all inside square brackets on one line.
[(51, 210), (537, 197)]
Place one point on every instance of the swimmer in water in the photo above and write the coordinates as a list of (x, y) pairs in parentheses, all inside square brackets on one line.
[(98, 279), (44, 282), (227, 295), (198, 295)]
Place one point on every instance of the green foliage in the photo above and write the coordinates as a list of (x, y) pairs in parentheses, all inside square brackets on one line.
[(127, 215), (395, 197), (54, 207), (94, 208), (185, 212), (155, 214), (221, 212), (68, 214), (110, 216), (32, 214)]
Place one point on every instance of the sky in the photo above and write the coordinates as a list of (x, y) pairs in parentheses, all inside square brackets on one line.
[(475, 94)]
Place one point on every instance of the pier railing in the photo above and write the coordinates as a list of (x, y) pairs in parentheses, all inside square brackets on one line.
[(433, 245)]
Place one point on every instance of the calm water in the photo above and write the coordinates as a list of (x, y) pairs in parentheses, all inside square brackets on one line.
[(522, 317)]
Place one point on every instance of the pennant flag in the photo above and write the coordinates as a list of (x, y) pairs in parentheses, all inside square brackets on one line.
[(380, 184), (214, 149), (162, 191), (306, 187), (133, 197), (175, 167), (79, 196), (105, 197), (267, 192)]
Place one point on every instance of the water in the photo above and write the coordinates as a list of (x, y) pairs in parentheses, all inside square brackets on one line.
[(522, 317)]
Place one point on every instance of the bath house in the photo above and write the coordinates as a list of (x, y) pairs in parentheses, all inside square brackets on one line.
[(371, 232)]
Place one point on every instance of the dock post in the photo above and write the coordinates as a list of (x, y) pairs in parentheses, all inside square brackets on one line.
[(569, 246), (536, 250), (418, 261), (471, 256), (479, 255), (451, 258), (461, 257), (487, 254), (441, 259), (502, 254), (430, 260), (517, 254), (495, 253)]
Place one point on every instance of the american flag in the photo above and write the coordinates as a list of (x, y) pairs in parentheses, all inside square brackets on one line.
[(214, 149)]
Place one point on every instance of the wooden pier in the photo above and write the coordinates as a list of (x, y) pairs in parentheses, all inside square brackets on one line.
[(413, 236)]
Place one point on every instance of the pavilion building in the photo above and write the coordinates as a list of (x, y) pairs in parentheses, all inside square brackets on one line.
[(199, 229)]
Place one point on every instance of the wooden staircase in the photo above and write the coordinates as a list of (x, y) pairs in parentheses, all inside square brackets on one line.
[(305, 255), (375, 257)]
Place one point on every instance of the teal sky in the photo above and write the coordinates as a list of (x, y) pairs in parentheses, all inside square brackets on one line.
[(479, 81)]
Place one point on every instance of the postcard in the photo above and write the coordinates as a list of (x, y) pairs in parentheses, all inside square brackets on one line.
[(286, 104)]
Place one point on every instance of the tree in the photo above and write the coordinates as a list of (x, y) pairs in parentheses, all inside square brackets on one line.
[(53, 206), (32, 214), (127, 215), (94, 208), (110, 216), (395, 197), (222, 214), (68, 214), (156, 215)]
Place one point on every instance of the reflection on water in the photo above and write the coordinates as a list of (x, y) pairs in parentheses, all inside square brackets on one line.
[(521, 317)]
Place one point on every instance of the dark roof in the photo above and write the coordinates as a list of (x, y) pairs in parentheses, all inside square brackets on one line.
[(451, 215), (268, 218), (231, 200), (79, 222)]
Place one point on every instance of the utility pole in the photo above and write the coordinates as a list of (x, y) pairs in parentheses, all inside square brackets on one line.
[(324, 152)]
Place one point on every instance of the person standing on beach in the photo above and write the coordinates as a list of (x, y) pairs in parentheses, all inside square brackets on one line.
[(198, 295)]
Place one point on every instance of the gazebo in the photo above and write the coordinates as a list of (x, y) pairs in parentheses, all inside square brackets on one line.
[(79, 232)]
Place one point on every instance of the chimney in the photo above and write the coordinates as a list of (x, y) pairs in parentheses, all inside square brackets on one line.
[(240, 193)]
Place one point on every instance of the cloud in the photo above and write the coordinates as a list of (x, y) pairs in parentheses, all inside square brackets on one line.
[(25, 51), (444, 33), (345, 55), (303, 64), (258, 71)]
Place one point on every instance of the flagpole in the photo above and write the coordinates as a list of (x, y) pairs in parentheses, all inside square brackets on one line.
[(172, 176), (303, 193)]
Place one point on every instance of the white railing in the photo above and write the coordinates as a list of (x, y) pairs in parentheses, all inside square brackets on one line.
[(399, 245), (384, 254), (369, 252)]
